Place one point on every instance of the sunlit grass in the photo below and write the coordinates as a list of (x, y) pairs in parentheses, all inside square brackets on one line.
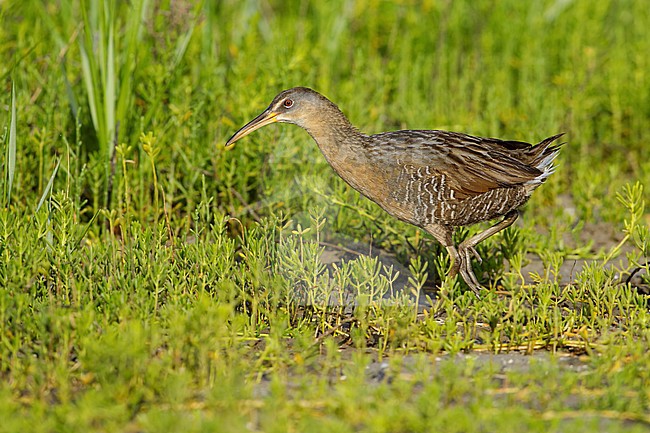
[(196, 298)]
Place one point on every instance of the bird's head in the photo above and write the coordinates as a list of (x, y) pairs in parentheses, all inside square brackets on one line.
[(299, 105)]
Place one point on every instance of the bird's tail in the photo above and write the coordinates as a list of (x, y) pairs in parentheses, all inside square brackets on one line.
[(542, 156)]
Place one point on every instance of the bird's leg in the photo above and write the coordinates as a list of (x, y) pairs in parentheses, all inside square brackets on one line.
[(458, 262), (461, 263), (466, 270), (466, 248), (454, 259), (469, 244), (460, 259)]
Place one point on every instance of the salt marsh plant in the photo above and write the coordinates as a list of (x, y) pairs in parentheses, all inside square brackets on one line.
[(196, 298)]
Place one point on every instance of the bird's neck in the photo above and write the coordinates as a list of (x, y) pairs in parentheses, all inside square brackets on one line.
[(344, 148), (339, 141)]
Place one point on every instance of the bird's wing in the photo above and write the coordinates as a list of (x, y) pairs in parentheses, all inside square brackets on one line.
[(471, 165)]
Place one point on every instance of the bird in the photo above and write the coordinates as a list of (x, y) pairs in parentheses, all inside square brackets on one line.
[(436, 180)]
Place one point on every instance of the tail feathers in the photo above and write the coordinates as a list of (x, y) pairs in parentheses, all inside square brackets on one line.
[(542, 156)]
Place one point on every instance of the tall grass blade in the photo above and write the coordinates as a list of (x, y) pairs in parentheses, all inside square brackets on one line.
[(11, 147), (184, 40), (109, 58), (109, 96), (98, 66), (90, 74), (72, 99), (48, 187), (127, 70), (180, 49), (10, 70)]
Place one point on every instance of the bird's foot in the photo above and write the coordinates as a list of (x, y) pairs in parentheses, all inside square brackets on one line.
[(465, 253), (462, 264), (465, 248)]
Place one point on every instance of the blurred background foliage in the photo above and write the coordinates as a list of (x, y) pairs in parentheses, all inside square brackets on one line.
[(192, 73)]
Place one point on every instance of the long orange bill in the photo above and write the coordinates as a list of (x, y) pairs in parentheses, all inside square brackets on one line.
[(266, 118)]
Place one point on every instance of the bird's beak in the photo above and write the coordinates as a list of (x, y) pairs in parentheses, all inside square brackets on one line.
[(266, 118)]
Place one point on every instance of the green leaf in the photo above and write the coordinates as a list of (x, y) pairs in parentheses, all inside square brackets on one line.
[(11, 148), (48, 187)]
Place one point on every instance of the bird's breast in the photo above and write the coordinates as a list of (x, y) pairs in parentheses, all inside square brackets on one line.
[(388, 185)]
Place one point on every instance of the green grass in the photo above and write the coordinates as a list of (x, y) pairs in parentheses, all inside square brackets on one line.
[(152, 281)]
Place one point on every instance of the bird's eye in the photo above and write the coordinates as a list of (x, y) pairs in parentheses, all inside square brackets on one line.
[(288, 103)]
